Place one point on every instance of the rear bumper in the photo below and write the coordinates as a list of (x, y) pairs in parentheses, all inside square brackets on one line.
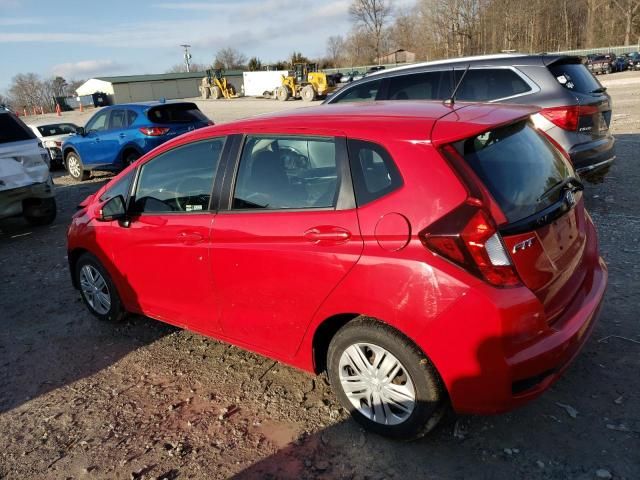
[(510, 354), (594, 159), (11, 201)]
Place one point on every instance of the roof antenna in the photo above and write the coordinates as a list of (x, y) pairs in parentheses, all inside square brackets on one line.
[(452, 99)]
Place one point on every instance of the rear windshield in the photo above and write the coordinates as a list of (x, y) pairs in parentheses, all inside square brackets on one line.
[(176, 113), (575, 77), (518, 165), (12, 129), (57, 129)]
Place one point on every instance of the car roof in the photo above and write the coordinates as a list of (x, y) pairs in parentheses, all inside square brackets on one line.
[(407, 119), (152, 103)]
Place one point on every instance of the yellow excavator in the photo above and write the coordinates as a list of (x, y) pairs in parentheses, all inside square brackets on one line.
[(306, 82), (215, 86)]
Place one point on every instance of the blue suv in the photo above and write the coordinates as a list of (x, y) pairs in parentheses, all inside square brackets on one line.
[(118, 135)]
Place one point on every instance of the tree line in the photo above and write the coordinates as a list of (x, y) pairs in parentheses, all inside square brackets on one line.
[(434, 29)]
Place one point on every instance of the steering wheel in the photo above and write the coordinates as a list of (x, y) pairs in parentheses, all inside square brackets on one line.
[(198, 193)]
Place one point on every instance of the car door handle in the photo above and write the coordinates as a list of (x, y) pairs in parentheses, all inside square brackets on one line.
[(327, 235), (190, 238), (122, 135), (97, 139)]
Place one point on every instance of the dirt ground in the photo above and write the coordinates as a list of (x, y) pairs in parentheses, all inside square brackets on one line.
[(80, 399)]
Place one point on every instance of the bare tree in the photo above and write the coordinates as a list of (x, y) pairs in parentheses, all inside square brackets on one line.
[(27, 90), (182, 68), (628, 8), (229, 59), (335, 49), (373, 16)]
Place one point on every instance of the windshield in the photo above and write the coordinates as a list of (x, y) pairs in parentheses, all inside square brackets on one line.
[(518, 166), (57, 129), (176, 113), (12, 129)]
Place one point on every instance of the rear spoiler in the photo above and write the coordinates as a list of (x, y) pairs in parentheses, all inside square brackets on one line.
[(549, 60), (473, 119)]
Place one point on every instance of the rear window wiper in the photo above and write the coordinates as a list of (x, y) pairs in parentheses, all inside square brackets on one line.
[(577, 186)]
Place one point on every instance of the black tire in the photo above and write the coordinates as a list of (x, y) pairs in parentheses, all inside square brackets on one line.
[(282, 93), (308, 94), (116, 312), (75, 168), (40, 211), (430, 396), (130, 157)]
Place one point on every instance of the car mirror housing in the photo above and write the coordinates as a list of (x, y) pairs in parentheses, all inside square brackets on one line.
[(80, 131), (112, 209)]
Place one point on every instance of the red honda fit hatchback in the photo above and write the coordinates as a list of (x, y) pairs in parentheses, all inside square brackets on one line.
[(419, 253)]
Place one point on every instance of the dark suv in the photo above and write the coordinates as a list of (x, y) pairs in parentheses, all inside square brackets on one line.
[(576, 110)]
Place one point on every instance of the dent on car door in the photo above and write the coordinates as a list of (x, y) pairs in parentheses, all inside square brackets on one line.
[(285, 238), (163, 253)]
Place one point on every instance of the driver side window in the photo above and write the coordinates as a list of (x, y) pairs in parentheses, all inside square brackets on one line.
[(98, 123), (180, 180)]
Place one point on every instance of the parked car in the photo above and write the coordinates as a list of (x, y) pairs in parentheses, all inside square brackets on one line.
[(52, 135), (118, 135), (620, 64), (576, 109), (376, 68), (26, 187), (634, 61), (601, 63), (391, 245)]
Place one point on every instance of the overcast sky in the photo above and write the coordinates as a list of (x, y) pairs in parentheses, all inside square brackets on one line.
[(81, 39)]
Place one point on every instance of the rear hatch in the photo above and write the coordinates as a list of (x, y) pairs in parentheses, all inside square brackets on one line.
[(544, 225), (590, 119), (177, 118), (23, 162)]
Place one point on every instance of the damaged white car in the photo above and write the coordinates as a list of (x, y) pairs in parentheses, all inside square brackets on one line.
[(26, 187)]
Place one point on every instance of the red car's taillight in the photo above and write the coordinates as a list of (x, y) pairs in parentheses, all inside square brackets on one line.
[(468, 237), (154, 131), (568, 117)]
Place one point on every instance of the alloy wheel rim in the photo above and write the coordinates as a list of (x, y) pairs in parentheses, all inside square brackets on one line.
[(74, 166), (377, 384), (95, 289)]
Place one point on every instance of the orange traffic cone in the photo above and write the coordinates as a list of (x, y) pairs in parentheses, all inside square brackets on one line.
[(58, 110), (81, 107)]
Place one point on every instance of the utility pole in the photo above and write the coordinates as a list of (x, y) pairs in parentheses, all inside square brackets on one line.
[(187, 56)]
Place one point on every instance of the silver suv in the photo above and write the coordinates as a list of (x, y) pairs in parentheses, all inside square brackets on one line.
[(575, 108), (26, 187)]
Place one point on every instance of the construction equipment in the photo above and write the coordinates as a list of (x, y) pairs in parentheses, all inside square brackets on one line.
[(305, 82), (215, 86)]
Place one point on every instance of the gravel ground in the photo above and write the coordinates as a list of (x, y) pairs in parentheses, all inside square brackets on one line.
[(82, 399)]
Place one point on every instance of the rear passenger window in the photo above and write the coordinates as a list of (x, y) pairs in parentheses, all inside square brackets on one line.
[(484, 84), (373, 171), (418, 86), (365, 92), (287, 173), (179, 180)]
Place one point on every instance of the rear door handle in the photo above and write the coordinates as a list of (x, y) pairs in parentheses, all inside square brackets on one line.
[(122, 135), (190, 238), (327, 235)]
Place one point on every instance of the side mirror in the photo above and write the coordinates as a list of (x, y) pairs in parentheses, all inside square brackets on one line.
[(80, 131), (112, 209)]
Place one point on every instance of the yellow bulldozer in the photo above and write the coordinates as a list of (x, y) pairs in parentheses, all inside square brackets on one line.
[(306, 82), (215, 86)]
